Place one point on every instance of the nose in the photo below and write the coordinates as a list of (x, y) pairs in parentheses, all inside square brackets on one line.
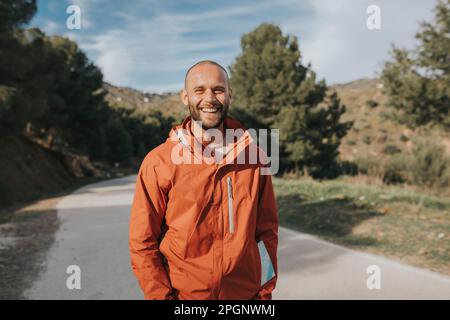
[(210, 96)]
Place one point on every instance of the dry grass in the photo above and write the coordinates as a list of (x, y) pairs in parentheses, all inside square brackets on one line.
[(403, 224)]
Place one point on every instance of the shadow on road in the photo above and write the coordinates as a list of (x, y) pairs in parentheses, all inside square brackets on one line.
[(331, 218)]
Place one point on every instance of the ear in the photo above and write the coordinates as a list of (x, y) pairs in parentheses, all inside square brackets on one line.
[(184, 97)]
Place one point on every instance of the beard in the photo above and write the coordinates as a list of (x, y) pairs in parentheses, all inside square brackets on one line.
[(209, 120)]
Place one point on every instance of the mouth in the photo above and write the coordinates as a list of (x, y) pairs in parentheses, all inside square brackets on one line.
[(210, 110)]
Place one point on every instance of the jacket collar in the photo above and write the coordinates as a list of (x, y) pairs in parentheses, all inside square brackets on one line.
[(182, 134)]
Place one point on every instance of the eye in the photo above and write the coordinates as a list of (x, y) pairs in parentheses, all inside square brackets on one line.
[(219, 90), (198, 91)]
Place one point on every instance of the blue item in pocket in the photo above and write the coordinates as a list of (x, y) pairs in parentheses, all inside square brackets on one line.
[(267, 271)]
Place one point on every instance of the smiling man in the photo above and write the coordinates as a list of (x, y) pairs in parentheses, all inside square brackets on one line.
[(206, 230), (207, 93)]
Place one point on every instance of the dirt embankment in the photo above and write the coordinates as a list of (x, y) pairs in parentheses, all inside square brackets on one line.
[(33, 179), (29, 171)]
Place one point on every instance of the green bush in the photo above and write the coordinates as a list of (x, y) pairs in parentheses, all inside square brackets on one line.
[(371, 103), (396, 169), (370, 166), (404, 138), (391, 149), (348, 168), (431, 165), (367, 139), (428, 166)]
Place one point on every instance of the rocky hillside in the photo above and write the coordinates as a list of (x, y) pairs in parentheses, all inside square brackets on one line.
[(168, 104), (373, 134)]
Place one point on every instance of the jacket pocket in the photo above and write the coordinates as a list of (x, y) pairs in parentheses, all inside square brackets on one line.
[(230, 205), (266, 268)]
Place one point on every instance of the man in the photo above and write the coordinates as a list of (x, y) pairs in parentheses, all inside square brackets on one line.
[(202, 229)]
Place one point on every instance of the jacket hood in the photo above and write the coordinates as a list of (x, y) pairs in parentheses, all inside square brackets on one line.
[(237, 140)]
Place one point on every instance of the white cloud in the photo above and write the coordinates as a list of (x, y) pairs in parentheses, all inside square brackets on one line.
[(143, 48), (50, 27), (156, 45), (341, 48)]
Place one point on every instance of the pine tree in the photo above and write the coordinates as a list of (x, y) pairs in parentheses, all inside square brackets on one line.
[(15, 104), (273, 89), (418, 81)]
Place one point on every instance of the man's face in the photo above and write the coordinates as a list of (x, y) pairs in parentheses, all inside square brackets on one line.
[(207, 94)]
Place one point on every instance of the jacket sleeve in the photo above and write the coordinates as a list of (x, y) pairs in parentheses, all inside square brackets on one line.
[(267, 230), (147, 216)]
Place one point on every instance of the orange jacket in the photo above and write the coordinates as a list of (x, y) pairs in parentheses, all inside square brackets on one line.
[(195, 228)]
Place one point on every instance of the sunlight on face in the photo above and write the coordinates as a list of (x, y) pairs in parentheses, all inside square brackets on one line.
[(207, 94)]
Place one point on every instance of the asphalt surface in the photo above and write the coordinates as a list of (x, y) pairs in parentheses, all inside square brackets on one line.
[(93, 235)]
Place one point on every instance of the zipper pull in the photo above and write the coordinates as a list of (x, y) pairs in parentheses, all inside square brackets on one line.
[(230, 189), (230, 206)]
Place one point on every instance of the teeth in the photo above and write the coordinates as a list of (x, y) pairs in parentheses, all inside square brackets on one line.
[(211, 110)]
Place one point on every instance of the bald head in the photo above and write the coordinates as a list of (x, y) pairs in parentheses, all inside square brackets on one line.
[(207, 93), (203, 63)]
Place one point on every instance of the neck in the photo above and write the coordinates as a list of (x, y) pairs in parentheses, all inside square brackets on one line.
[(206, 137)]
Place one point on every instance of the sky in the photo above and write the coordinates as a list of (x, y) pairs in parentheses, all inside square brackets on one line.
[(149, 44)]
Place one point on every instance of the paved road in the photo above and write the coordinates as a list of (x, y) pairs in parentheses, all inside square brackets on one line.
[(94, 235)]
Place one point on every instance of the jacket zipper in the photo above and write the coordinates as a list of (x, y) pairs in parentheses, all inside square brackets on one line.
[(230, 206)]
